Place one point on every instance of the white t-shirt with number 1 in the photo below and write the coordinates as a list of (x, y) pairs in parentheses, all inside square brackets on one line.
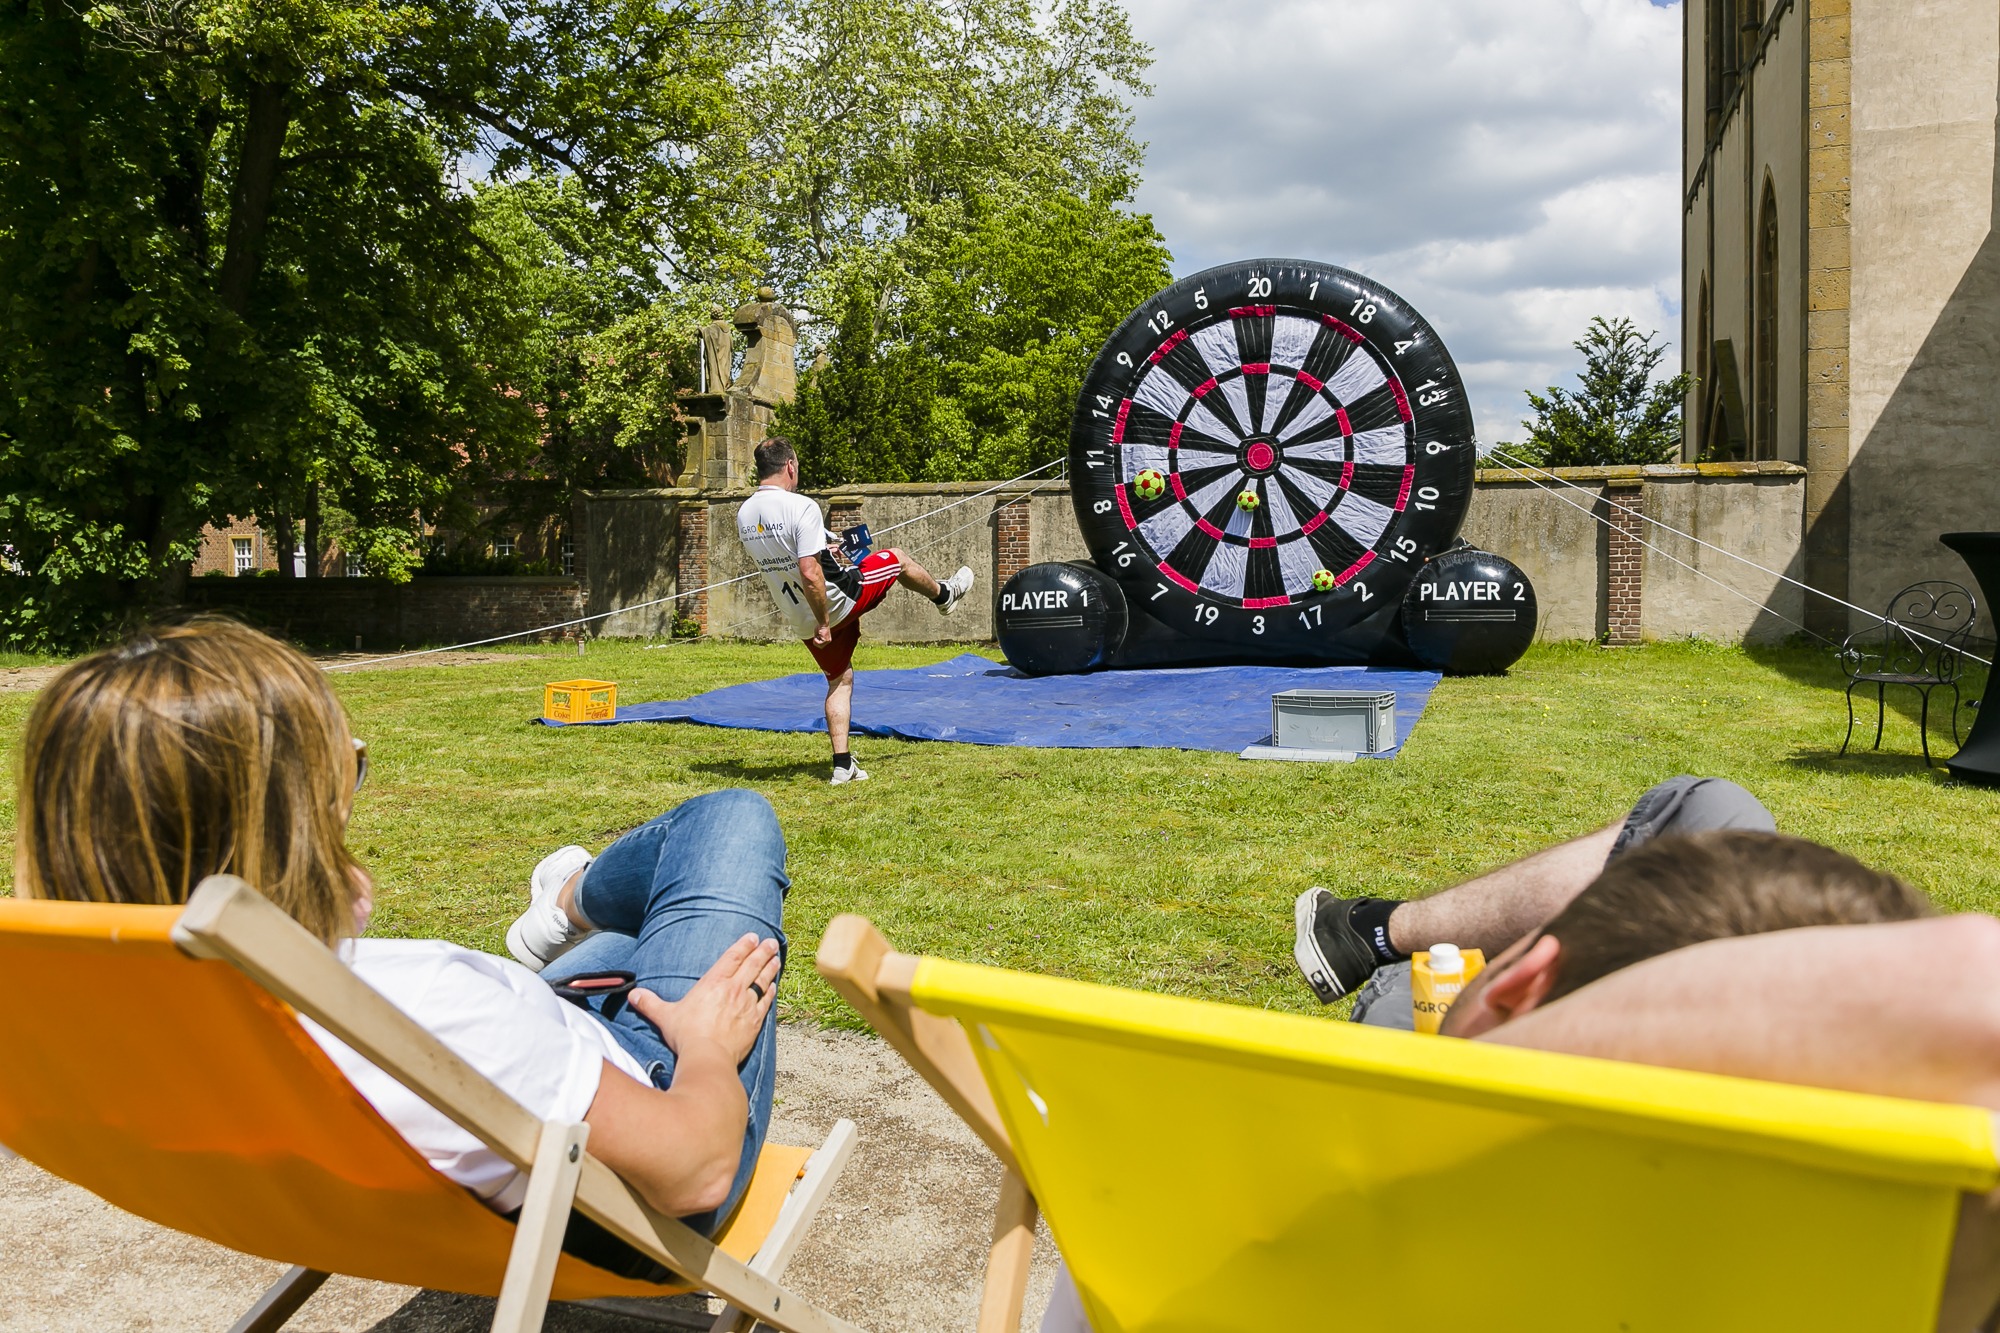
[(779, 527)]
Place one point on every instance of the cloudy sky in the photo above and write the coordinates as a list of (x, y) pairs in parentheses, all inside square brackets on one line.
[(1509, 166)]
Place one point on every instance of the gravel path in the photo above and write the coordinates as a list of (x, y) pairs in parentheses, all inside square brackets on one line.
[(899, 1248)]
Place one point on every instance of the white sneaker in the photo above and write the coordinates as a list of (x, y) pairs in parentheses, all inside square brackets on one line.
[(955, 588), (544, 932), (852, 773)]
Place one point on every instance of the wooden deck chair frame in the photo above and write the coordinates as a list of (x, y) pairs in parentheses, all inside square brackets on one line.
[(226, 919), (876, 980), (880, 983)]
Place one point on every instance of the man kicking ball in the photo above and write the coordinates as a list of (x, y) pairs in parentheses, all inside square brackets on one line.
[(822, 595)]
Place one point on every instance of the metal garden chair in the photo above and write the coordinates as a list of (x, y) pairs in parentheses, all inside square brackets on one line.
[(1920, 643)]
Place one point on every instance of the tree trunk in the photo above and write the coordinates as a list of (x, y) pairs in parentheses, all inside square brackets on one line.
[(269, 116), (282, 538), (314, 556)]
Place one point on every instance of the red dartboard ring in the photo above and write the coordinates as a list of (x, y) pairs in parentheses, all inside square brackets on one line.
[(1321, 394)]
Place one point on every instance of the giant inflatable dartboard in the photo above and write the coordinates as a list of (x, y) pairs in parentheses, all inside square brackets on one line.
[(1267, 452)]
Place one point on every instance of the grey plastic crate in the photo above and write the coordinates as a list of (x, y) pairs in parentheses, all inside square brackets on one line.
[(1360, 721)]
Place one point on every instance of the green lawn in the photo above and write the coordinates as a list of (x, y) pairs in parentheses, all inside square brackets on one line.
[(1154, 868)]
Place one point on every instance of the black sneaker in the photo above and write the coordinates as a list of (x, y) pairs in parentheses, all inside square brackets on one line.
[(1334, 956)]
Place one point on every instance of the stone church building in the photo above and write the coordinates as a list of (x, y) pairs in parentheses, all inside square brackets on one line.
[(1842, 275)]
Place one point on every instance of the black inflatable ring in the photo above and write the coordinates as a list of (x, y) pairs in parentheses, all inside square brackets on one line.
[(1305, 444)]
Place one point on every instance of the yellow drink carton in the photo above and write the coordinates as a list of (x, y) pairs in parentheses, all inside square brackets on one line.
[(1437, 975)]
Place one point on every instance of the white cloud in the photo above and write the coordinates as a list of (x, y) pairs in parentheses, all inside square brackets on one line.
[(1511, 168)]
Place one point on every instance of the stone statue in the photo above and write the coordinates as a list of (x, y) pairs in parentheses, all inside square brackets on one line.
[(736, 417), (770, 370), (717, 344)]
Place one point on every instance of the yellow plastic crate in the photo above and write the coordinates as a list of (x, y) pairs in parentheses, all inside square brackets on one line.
[(580, 700)]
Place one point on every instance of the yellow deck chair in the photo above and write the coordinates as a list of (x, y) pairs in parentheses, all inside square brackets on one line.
[(151, 1055), (1214, 1167)]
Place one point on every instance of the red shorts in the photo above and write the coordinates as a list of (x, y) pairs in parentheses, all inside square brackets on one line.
[(879, 571)]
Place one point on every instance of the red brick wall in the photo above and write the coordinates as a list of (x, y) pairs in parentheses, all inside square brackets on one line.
[(691, 568), (218, 550), (842, 512), (1626, 563), (1010, 541)]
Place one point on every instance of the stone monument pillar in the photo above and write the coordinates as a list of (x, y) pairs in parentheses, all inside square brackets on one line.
[(735, 420)]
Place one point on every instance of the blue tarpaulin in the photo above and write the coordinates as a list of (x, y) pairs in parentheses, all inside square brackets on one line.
[(981, 702)]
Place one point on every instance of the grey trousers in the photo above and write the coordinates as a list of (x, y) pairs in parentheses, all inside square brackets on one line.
[(1678, 805)]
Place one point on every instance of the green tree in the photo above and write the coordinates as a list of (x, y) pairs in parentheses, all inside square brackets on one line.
[(1620, 414), (610, 346), (869, 120), (961, 356), (942, 188), (240, 273)]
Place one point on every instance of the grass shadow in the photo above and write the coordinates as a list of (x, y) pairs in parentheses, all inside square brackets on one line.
[(734, 771), (1884, 763), (1813, 664)]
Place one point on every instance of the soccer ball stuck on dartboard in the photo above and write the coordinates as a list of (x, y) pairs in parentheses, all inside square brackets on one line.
[(1149, 485), (1248, 501), (1324, 581)]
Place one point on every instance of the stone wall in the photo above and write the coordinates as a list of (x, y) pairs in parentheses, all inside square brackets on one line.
[(1553, 531), (385, 615), (1621, 578)]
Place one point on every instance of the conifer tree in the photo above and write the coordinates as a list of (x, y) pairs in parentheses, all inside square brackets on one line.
[(1619, 414)]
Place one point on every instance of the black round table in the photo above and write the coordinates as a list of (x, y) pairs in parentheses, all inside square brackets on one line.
[(1978, 760)]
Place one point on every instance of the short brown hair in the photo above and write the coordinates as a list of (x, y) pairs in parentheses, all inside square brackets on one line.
[(1678, 891), (772, 455), (187, 751)]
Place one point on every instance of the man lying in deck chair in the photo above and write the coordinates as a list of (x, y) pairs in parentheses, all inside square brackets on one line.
[(210, 749), (1731, 951), (1364, 945)]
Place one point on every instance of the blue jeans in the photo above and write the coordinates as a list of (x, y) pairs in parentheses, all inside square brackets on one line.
[(667, 899)]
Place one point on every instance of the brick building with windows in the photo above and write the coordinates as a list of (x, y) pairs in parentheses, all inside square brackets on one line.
[(1841, 276)]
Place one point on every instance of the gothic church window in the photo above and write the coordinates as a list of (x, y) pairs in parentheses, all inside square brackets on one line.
[(1764, 374), (1704, 334)]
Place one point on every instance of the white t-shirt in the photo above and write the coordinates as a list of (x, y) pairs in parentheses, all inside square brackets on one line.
[(778, 527), (501, 1019)]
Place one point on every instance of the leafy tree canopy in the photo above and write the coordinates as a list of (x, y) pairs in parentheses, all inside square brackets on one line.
[(959, 354), (949, 187), (241, 274), (1619, 414), (351, 262)]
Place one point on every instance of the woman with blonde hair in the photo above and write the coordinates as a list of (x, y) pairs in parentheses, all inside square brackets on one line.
[(208, 748)]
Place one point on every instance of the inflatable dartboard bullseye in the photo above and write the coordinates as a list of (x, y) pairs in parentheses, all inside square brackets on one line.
[(1267, 452)]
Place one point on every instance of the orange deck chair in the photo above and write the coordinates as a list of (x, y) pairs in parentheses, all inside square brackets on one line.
[(151, 1055)]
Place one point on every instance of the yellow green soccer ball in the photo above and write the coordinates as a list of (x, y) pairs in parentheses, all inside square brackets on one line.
[(1149, 485), (1248, 501), (1324, 581)]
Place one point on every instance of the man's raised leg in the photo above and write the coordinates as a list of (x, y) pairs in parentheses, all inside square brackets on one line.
[(915, 577), (945, 592)]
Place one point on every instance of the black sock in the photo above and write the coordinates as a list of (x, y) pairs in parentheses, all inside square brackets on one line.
[(1369, 918), (944, 595), (842, 759)]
